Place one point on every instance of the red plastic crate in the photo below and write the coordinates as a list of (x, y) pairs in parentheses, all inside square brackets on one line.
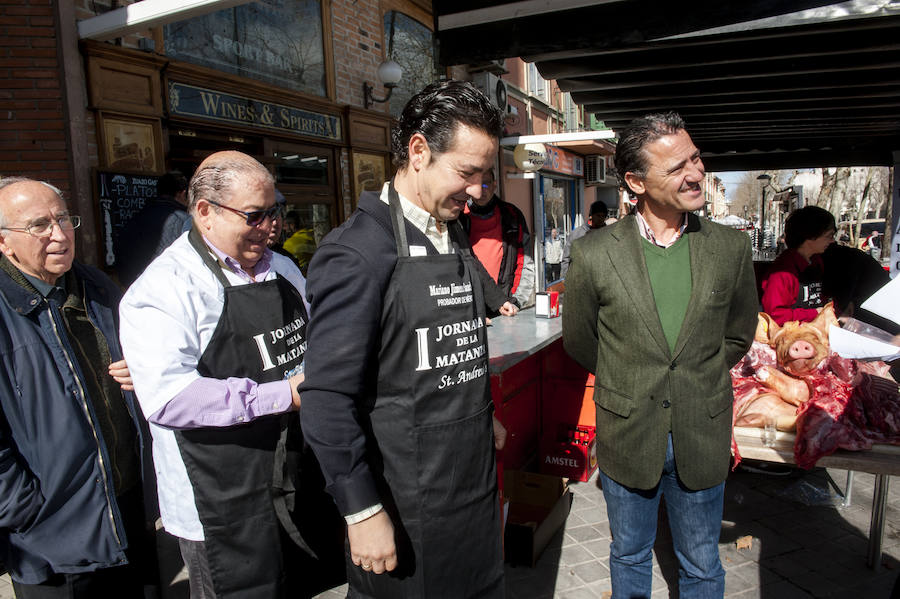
[(570, 453)]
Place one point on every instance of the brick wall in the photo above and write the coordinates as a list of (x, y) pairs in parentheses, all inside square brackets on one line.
[(358, 49), (517, 73), (539, 122), (32, 130)]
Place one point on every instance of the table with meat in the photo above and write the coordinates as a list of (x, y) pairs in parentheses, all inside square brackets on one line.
[(827, 410)]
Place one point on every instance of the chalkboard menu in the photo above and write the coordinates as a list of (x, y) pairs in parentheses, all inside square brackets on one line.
[(121, 197)]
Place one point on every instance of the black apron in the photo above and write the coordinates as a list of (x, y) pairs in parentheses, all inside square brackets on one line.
[(432, 424), (245, 477), (810, 295)]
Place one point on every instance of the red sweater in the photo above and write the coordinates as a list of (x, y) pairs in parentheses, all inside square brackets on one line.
[(782, 286)]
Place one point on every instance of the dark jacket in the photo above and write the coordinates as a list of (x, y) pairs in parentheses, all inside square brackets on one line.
[(57, 499), (352, 267), (643, 390), (849, 278), (515, 240)]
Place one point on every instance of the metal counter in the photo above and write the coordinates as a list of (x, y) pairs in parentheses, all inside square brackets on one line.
[(511, 339)]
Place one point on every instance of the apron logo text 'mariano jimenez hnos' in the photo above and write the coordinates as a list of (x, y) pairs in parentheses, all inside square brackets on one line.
[(451, 294)]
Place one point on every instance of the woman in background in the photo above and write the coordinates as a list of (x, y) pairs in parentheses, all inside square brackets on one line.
[(792, 289)]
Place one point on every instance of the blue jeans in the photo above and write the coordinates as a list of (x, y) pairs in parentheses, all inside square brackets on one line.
[(695, 518)]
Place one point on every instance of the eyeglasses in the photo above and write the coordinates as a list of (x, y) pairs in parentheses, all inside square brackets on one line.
[(44, 226), (255, 217)]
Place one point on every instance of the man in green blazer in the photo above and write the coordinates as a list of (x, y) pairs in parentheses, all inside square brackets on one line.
[(659, 306)]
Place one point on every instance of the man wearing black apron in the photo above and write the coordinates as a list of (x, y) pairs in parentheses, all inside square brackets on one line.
[(216, 340), (396, 404)]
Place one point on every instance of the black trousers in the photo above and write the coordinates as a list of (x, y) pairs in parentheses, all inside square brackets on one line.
[(553, 271), (199, 577), (305, 576), (125, 581)]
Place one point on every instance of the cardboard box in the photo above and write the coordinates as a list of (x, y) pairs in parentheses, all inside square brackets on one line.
[(538, 507), (570, 453)]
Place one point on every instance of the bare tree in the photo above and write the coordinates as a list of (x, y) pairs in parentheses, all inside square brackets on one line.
[(888, 217), (849, 193), (745, 197), (862, 204), (748, 193), (854, 194)]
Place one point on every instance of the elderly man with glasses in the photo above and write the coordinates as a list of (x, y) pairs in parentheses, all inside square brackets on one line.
[(72, 519), (215, 334)]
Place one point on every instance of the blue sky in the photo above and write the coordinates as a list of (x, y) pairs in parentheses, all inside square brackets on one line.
[(731, 179)]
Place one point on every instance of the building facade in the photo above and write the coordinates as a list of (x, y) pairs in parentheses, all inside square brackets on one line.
[(574, 174), (714, 196), (282, 80)]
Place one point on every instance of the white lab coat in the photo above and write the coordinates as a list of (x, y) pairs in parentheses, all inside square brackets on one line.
[(167, 319)]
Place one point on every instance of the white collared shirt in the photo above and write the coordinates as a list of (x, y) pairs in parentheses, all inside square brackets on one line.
[(167, 319), (434, 230)]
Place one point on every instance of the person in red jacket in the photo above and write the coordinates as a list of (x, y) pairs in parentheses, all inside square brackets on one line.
[(500, 240), (792, 289)]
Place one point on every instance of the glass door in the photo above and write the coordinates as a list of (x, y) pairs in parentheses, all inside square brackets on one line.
[(188, 146), (557, 197), (306, 175)]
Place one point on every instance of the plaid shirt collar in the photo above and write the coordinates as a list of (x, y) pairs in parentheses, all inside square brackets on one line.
[(647, 233), (433, 229)]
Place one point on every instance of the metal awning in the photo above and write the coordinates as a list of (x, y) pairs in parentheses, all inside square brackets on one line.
[(144, 14), (761, 84)]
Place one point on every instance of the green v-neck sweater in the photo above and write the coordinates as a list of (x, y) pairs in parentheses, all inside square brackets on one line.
[(670, 278)]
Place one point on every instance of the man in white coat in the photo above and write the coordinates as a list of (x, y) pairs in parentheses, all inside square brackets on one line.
[(214, 332)]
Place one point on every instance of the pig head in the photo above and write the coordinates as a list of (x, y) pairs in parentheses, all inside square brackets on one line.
[(799, 346)]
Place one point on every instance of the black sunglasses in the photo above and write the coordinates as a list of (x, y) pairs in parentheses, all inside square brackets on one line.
[(254, 218)]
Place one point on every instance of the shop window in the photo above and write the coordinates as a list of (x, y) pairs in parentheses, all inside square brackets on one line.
[(305, 224), (188, 146), (571, 112), (275, 41), (409, 43), (299, 169), (537, 85)]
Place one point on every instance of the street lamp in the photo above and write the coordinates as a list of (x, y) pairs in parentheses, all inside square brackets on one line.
[(389, 73), (762, 209)]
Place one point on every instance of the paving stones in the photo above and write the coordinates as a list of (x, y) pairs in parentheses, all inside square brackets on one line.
[(798, 551)]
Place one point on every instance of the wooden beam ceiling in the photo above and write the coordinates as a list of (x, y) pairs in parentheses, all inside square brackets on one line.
[(769, 83)]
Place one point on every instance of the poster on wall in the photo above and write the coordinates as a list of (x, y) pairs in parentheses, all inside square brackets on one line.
[(368, 172), (121, 196), (131, 145)]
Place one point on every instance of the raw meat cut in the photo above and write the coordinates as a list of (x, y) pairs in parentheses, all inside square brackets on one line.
[(849, 416), (833, 403)]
